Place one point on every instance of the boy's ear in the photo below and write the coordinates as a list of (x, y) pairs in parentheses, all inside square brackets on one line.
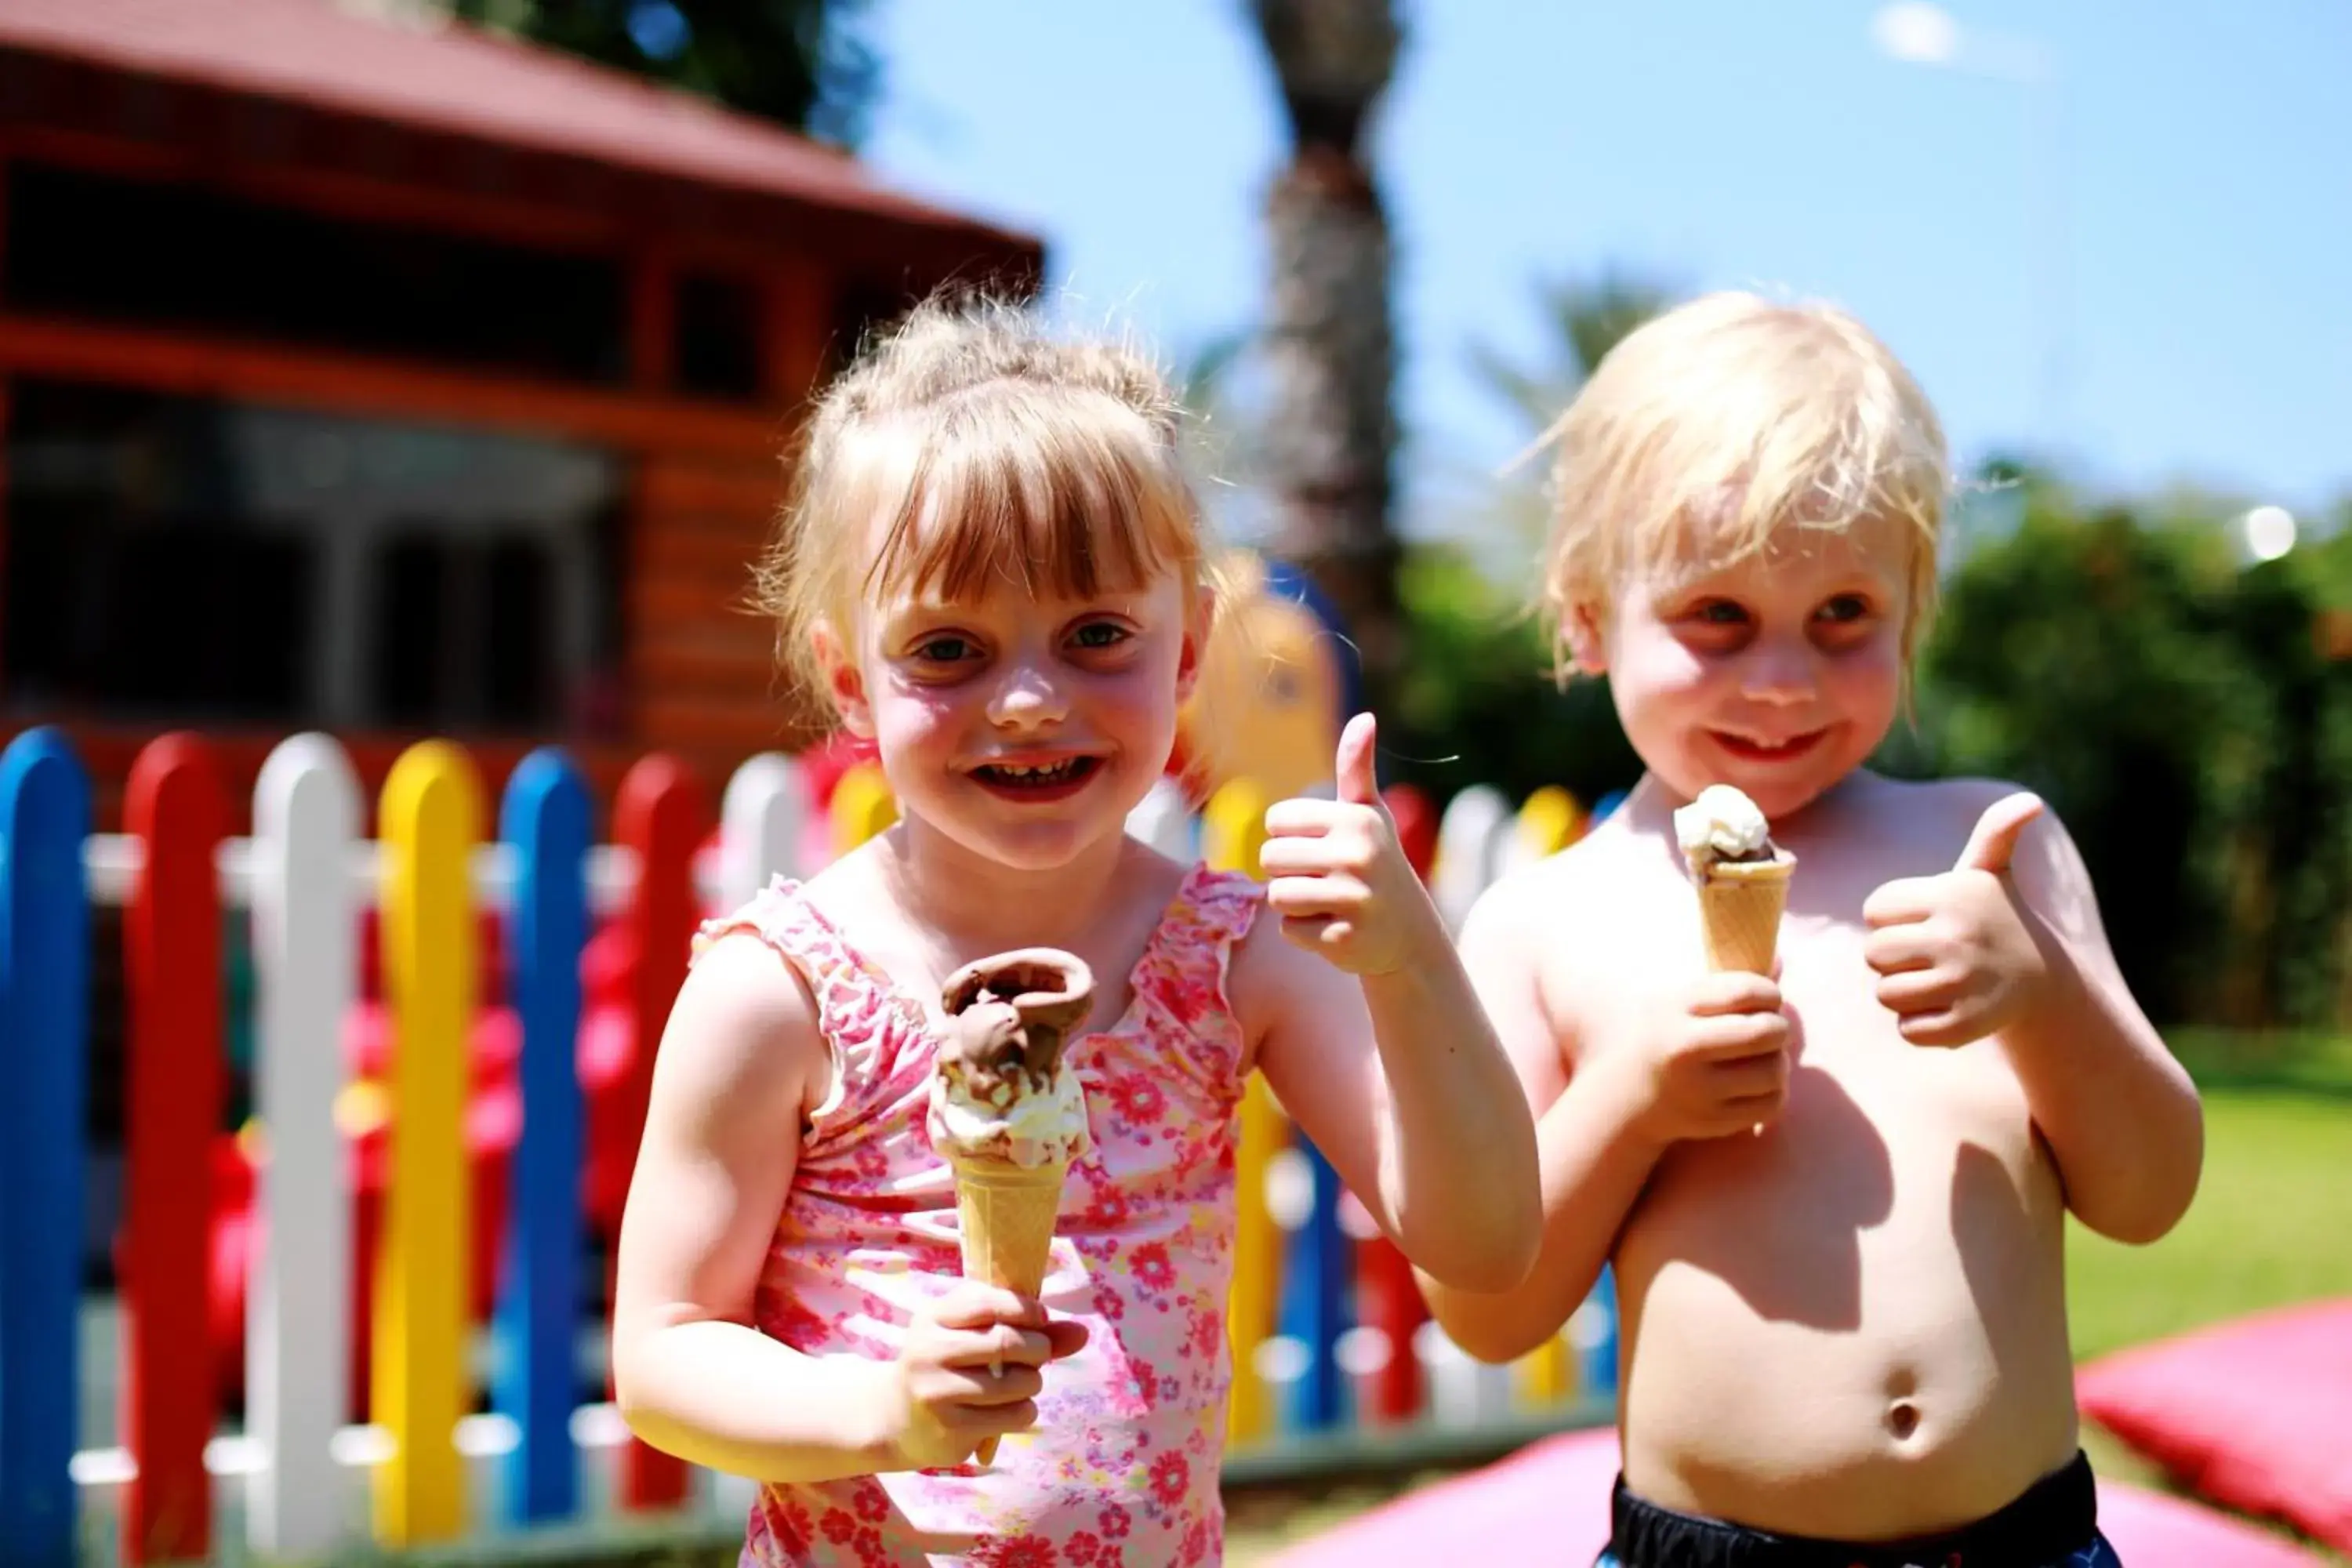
[(1586, 644), (844, 683)]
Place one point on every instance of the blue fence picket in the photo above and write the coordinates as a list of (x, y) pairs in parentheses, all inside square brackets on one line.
[(44, 1031), (1319, 1277), (545, 822)]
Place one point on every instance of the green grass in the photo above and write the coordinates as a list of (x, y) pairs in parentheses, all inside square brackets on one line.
[(2320, 1065), (2266, 1228)]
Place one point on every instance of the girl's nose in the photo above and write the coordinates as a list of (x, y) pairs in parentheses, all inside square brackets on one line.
[(1025, 697)]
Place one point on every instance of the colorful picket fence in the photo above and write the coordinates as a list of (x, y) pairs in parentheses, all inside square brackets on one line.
[(1326, 1326)]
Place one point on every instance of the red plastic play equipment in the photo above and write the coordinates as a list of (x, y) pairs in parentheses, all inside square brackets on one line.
[(2255, 1414)]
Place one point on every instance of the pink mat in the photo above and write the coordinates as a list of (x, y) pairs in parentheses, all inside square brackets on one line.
[(1550, 1503), (2255, 1414)]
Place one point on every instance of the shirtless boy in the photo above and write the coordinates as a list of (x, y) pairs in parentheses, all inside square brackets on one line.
[(1834, 1196)]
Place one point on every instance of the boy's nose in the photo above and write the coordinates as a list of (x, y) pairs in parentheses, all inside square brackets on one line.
[(1778, 673), (1026, 697)]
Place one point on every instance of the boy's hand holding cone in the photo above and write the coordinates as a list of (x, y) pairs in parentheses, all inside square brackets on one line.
[(1743, 884)]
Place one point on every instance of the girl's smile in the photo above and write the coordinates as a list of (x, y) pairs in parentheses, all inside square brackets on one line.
[(1037, 777)]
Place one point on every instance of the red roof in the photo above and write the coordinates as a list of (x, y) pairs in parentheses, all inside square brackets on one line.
[(458, 80)]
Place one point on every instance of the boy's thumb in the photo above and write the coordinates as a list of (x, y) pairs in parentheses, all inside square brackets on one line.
[(1352, 778), (1994, 841)]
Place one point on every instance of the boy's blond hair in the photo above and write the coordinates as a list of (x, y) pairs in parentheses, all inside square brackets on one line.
[(1731, 417), (992, 452)]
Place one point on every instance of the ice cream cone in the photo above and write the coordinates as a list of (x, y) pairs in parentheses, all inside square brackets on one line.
[(1008, 1113), (1007, 1214), (1739, 904)]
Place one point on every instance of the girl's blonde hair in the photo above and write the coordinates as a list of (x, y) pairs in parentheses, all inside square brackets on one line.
[(1711, 427), (988, 452)]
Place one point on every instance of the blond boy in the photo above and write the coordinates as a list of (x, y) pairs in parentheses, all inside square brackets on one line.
[(1834, 1196)]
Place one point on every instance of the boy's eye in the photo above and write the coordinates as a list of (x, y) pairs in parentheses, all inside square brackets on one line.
[(1099, 634), (1720, 613), (1843, 608)]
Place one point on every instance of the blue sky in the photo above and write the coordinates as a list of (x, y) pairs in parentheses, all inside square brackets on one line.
[(2194, 205)]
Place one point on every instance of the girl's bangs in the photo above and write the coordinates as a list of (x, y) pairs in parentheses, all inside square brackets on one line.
[(1059, 508)]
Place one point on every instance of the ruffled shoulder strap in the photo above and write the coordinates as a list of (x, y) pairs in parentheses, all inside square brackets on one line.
[(870, 1030), (1181, 982)]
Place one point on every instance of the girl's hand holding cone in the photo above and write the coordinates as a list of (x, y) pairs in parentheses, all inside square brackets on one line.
[(969, 1372)]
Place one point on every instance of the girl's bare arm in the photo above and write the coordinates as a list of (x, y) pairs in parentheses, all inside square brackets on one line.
[(741, 1062), (1398, 1080)]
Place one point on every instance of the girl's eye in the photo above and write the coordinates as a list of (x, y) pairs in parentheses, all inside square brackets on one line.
[(1099, 634), (1720, 613), (1844, 607), (945, 649)]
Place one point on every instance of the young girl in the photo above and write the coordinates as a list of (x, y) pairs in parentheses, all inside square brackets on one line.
[(993, 568)]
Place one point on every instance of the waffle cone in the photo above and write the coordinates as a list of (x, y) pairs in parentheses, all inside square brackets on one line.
[(1739, 905), (1006, 1211)]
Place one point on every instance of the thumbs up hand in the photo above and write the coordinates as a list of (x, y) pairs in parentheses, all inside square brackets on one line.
[(1337, 875), (1956, 954)]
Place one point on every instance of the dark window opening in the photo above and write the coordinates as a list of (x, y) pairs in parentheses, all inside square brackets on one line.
[(131, 585), (177, 560), (412, 629), (517, 662), (718, 337), (863, 308), (179, 256), (466, 633)]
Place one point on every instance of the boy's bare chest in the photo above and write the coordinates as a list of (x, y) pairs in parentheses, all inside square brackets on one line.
[(1854, 1081)]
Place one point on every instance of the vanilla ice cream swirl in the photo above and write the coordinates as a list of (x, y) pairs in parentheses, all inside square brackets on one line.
[(1722, 824)]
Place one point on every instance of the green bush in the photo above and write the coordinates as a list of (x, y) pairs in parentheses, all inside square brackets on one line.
[(2182, 715), (1478, 704), (2089, 659)]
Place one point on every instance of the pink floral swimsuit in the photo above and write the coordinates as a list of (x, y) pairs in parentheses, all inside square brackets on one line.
[(1122, 1469)]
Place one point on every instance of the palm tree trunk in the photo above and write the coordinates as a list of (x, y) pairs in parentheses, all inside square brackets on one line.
[(1329, 349)]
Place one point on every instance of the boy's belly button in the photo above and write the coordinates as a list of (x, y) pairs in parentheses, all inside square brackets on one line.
[(1901, 1405)]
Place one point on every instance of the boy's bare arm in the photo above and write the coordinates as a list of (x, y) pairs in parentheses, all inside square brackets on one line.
[(2008, 943), (1593, 1162), (2119, 1113)]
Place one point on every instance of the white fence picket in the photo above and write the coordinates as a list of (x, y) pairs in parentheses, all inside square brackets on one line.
[(760, 820), (1469, 836), (306, 817), (1164, 820)]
